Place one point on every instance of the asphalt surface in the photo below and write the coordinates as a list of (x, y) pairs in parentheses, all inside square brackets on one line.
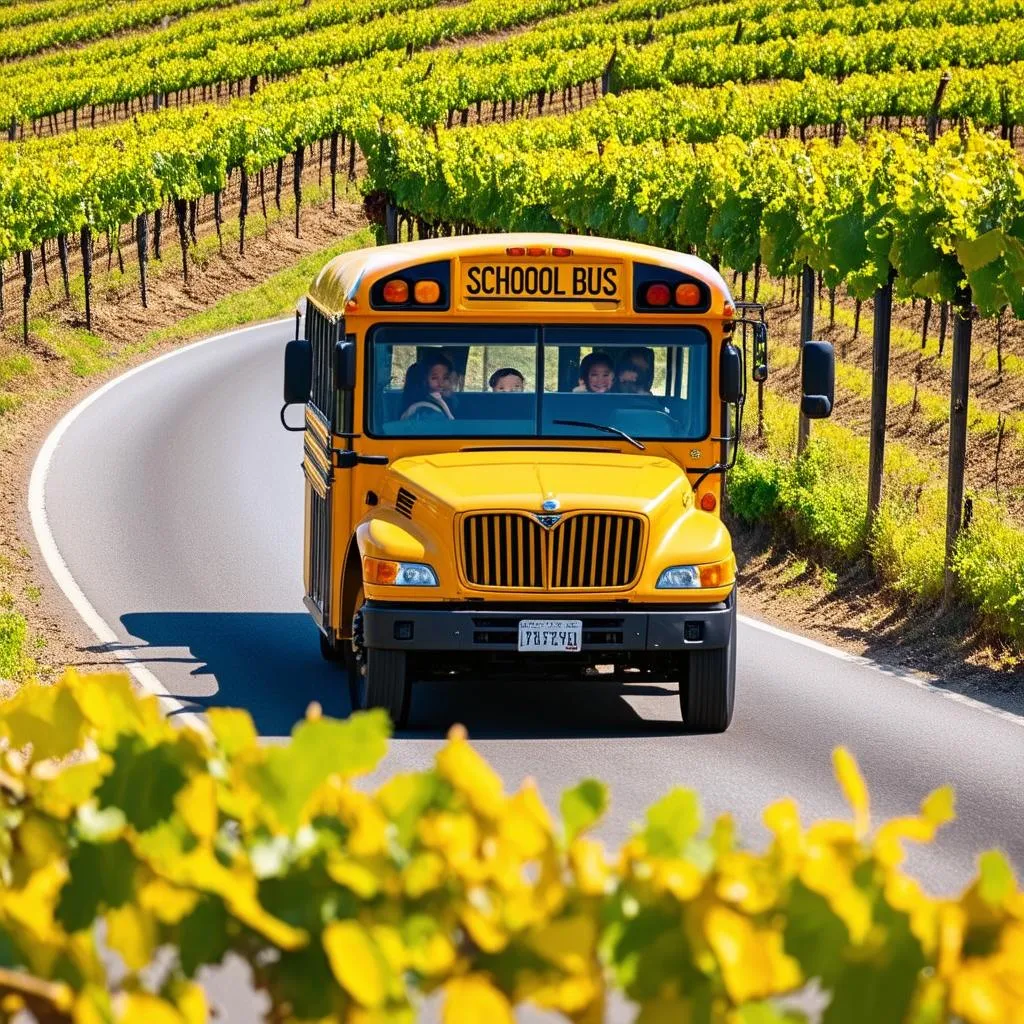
[(175, 500)]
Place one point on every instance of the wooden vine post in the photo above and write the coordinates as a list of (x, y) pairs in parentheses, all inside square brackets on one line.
[(26, 291), (86, 242), (879, 395), (806, 330), (142, 247), (963, 326)]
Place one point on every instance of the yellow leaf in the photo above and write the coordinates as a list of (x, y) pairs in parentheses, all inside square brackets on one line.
[(939, 807), (92, 1006), (568, 943), (167, 902), (61, 795), (47, 717), (356, 962), (753, 962), (142, 1008), (40, 844), (435, 956), (353, 875), (665, 1010), (474, 1000), (112, 706), (484, 929), (197, 804), (526, 825), (424, 873), (593, 876), (572, 995), (472, 776), (132, 932), (851, 782), (191, 1002)]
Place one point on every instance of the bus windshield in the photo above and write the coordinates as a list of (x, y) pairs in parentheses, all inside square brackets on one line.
[(509, 381)]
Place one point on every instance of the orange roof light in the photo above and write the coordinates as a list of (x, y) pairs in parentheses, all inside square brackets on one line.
[(396, 291), (515, 250), (561, 251), (351, 306), (427, 293), (728, 310), (687, 294), (657, 294), (536, 250)]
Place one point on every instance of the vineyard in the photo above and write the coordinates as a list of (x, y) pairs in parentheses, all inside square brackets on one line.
[(853, 166)]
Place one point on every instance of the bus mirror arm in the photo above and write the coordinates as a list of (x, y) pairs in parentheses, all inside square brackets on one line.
[(722, 467), (345, 458)]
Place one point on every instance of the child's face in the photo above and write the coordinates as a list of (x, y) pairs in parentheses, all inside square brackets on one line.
[(437, 379), (510, 382), (600, 378)]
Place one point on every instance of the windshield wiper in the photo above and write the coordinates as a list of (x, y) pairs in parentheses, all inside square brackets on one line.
[(601, 426)]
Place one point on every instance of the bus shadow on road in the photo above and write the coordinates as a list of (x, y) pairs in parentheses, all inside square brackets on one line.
[(270, 664)]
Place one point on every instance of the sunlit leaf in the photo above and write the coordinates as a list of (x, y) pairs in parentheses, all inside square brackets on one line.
[(357, 963), (474, 998), (583, 806)]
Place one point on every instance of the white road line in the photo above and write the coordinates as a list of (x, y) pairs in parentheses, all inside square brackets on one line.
[(919, 681), (148, 681), (55, 561)]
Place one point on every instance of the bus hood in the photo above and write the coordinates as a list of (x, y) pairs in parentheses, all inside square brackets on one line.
[(525, 480)]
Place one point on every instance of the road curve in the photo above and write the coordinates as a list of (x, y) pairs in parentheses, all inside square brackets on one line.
[(175, 501)]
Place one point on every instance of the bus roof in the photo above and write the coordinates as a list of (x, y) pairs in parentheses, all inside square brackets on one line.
[(340, 278)]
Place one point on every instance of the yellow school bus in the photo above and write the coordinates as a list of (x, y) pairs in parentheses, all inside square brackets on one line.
[(514, 455)]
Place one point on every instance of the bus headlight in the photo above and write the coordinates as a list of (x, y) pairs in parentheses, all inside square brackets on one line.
[(398, 574), (693, 577), (679, 577)]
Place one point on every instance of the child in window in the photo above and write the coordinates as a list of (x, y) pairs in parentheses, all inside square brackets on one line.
[(597, 374), (506, 379)]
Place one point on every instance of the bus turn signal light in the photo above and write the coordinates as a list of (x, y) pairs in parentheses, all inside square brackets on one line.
[(536, 250), (658, 294), (427, 293), (515, 250), (688, 294), (707, 502), (396, 291), (559, 251), (717, 574)]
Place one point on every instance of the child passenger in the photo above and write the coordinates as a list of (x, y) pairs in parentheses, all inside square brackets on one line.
[(506, 379), (597, 374)]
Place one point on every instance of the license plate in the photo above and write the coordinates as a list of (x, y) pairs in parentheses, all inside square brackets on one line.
[(550, 634)]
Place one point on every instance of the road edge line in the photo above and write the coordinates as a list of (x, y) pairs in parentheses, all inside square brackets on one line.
[(886, 670), (54, 560)]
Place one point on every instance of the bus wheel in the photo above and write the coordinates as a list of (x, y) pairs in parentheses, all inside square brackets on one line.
[(708, 688), (387, 684)]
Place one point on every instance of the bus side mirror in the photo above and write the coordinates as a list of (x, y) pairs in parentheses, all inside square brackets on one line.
[(759, 370), (730, 374), (298, 371), (344, 366), (818, 380)]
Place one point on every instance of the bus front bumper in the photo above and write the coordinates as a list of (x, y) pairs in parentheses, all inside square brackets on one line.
[(480, 629)]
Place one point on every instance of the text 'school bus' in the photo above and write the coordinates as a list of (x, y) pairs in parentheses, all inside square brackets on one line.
[(514, 454)]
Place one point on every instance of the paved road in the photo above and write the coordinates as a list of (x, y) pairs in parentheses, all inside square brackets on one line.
[(175, 500)]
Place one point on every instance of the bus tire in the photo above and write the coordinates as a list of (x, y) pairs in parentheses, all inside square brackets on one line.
[(707, 690), (387, 684)]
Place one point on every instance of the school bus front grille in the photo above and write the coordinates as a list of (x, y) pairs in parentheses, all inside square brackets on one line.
[(583, 551)]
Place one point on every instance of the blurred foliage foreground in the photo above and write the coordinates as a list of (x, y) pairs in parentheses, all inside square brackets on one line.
[(172, 848)]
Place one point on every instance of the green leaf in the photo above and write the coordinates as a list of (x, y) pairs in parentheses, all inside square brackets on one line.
[(319, 749), (143, 783), (672, 822), (582, 806), (102, 876), (233, 729), (768, 1013), (203, 935), (995, 877), (975, 253)]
